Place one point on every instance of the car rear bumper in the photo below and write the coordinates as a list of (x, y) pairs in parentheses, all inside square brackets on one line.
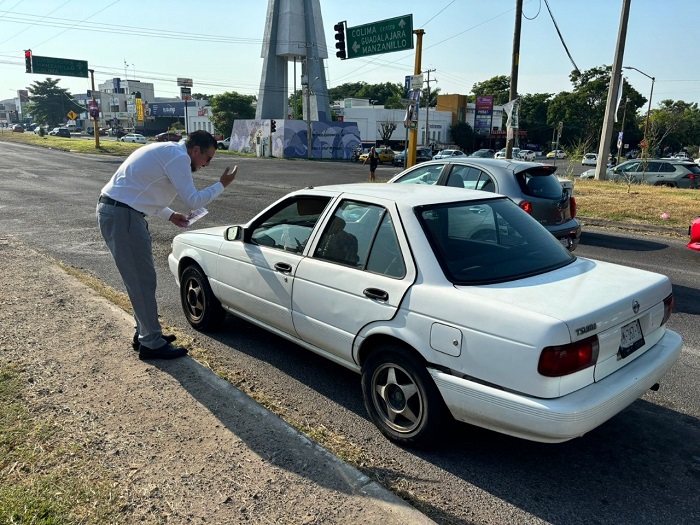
[(568, 233), (560, 419)]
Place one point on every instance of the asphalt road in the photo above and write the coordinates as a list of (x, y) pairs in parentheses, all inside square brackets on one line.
[(642, 467)]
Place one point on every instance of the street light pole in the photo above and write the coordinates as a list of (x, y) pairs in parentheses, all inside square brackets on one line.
[(646, 124)]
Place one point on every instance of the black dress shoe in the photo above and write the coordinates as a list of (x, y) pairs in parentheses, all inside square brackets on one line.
[(169, 338), (167, 351)]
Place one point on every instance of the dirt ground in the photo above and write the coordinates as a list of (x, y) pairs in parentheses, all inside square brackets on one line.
[(177, 444)]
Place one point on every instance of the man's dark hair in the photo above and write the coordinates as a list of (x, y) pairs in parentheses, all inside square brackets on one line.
[(201, 138)]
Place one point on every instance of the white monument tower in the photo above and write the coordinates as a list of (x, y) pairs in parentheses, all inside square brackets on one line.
[(293, 30)]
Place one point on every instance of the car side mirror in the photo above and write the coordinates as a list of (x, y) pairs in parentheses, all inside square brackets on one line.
[(233, 233)]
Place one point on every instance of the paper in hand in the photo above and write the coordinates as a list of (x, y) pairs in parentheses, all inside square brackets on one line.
[(195, 215)]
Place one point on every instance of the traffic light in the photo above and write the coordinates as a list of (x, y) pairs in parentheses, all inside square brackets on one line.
[(273, 126), (28, 60), (340, 37)]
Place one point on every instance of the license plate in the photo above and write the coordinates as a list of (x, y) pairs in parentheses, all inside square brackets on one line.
[(631, 339)]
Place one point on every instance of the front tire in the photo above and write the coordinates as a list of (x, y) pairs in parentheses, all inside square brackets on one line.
[(202, 309), (401, 397)]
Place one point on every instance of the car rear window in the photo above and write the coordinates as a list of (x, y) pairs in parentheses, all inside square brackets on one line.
[(489, 241), (539, 182)]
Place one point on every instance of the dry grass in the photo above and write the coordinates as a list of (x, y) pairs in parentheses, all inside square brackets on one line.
[(640, 204)]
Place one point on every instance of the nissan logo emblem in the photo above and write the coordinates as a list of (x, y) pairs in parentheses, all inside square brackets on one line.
[(635, 306)]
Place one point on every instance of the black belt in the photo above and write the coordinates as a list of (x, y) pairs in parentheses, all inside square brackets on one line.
[(108, 200)]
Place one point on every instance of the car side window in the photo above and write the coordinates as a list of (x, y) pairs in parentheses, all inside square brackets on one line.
[(348, 235), (288, 226), (667, 167), (422, 175), (485, 183), (653, 167), (385, 258)]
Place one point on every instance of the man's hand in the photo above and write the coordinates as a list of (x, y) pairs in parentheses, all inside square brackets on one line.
[(228, 176), (178, 219)]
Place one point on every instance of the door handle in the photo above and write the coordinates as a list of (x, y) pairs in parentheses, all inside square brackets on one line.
[(376, 293), (283, 267)]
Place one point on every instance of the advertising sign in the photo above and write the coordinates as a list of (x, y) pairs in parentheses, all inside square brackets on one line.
[(483, 117)]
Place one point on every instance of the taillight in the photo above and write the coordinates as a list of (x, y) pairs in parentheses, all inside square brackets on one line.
[(527, 206), (556, 361), (572, 207), (668, 308)]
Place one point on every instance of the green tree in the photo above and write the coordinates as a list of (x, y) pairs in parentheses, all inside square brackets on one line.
[(343, 91), (463, 135), (51, 104), (381, 93), (201, 96), (533, 117), (228, 107), (498, 86), (583, 110)]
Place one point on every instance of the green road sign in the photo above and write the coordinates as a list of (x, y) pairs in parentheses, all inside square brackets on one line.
[(385, 36), (60, 67)]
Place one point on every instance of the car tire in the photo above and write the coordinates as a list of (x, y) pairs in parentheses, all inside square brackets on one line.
[(202, 309), (401, 398), (219, 146)]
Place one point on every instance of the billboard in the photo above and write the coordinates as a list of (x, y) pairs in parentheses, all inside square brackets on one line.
[(483, 116)]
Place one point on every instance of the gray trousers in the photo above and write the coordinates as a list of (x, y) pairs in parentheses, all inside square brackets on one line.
[(126, 233)]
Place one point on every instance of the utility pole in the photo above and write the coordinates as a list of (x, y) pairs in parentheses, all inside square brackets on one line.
[(413, 133), (613, 89), (514, 72), (427, 108)]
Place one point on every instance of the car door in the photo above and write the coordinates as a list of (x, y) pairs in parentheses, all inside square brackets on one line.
[(255, 276), (345, 285)]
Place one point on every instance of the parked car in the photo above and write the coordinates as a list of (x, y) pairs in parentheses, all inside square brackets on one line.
[(422, 155), (532, 186), (556, 153), (223, 144), (694, 234), (60, 132), (19, 128), (448, 303), (658, 172), (589, 159), (385, 155), (168, 136), (483, 153), (501, 154), (90, 130), (527, 154), (451, 153), (133, 137)]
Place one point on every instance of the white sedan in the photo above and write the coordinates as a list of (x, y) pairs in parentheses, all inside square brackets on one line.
[(448, 303), (589, 159), (133, 137)]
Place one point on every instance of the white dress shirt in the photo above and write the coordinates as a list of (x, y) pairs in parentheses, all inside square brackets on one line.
[(153, 175)]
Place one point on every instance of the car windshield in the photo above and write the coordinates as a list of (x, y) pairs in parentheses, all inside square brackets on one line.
[(489, 241)]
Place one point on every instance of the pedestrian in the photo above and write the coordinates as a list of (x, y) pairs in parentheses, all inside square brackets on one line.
[(373, 158), (145, 184)]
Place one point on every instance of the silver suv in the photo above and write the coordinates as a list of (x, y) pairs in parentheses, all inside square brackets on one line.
[(532, 186), (658, 172)]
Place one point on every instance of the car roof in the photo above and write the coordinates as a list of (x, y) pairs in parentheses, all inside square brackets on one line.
[(404, 195), (508, 164)]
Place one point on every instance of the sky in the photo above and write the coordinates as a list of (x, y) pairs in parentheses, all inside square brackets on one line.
[(465, 42)]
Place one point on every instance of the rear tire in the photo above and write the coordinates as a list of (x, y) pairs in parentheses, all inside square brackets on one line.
[(401, 397), (202, 309)]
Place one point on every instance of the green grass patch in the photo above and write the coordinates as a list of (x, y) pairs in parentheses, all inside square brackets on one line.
[(85, 144), (636, 203)]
